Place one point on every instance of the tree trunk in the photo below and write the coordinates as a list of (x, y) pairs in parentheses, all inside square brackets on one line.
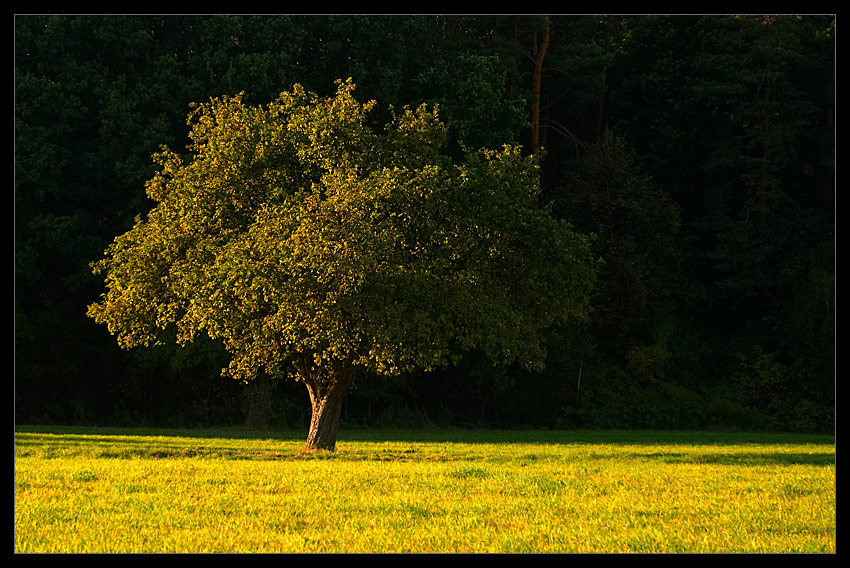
[(535, 88), (765, 158), (600, 112), (326, 396)]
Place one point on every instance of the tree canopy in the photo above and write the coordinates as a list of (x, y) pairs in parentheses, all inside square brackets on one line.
[(313, 244)]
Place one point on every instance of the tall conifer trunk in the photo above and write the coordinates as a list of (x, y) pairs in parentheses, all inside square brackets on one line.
[(536, 79)]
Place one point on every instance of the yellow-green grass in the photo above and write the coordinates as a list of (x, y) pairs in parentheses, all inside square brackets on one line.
[(89, 490)]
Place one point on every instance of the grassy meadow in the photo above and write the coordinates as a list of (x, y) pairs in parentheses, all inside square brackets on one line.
[(123, 490)]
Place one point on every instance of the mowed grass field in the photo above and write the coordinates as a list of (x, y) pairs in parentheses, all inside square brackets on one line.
[(113, 490)]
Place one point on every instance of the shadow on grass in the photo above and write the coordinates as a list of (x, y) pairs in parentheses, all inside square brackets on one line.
[(229, 444), (747, 459), (620, 437)]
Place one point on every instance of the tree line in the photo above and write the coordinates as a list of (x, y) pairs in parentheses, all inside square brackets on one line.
[(696, 152)]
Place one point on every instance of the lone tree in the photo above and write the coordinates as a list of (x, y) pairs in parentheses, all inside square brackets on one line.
[(314, 245)]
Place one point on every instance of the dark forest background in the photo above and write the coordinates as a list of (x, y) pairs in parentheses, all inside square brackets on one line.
[(699, 150)]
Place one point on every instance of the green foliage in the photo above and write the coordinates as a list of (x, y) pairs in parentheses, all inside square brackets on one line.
[(760, 381), (713, 206), (635, 228), (297, 233), (473, 101), (612, 398), (647, 363)]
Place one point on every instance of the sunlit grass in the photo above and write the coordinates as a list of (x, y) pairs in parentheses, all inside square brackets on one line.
[(97, 491)]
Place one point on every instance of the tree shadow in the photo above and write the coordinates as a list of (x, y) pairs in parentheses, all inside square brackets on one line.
[(746, 459), (153, 443)]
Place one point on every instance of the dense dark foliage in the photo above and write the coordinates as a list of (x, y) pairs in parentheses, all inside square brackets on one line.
[(698, 150)]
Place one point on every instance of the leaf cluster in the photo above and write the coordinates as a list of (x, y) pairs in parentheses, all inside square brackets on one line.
[(297, 232)]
